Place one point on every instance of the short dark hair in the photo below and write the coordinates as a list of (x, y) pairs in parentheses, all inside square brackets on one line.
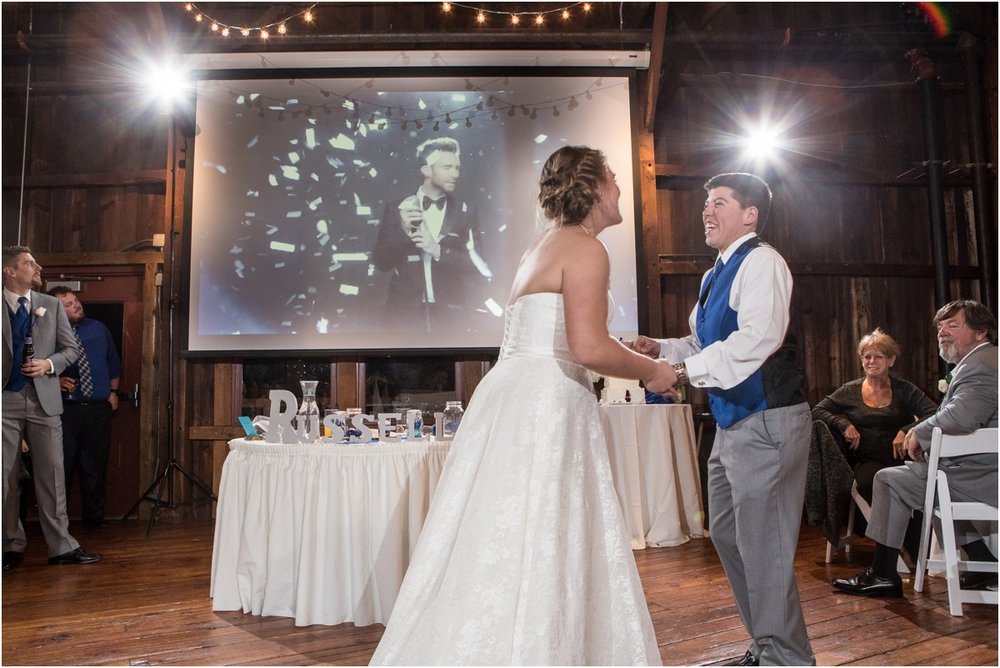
[(446, 144), (61, 290), (10, 254), (978, 316), (748, 189)]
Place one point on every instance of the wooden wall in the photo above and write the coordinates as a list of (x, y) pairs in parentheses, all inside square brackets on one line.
[(104, 174)]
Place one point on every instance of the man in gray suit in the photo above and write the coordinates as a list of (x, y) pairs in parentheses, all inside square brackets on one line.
[(32, 404), (966, 331)]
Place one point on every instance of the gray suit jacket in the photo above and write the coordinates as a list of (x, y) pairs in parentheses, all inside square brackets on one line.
[(970, 402), (53, 339)]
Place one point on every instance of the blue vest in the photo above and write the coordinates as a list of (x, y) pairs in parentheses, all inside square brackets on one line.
[(17, 380), (778, 382)]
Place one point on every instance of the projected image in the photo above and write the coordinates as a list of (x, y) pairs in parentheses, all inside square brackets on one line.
[(383, 214)]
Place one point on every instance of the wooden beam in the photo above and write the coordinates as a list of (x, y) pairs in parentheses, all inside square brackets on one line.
[(92, 259), (130, 178), (655, 62), (214, 432)]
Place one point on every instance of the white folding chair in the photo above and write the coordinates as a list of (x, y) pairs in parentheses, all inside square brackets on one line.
[(982, 441), (845, 541)]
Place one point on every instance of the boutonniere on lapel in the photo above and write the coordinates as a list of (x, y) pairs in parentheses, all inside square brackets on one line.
[(39, 312), (944, 383)]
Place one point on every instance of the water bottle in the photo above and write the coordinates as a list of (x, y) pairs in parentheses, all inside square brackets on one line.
[(452, 417), (307, 420)]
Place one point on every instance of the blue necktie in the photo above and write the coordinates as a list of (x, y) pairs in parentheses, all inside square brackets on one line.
[(708, 286), (21, 316)]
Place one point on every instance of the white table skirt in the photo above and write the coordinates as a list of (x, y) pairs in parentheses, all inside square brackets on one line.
[(321, 533), (654, 463)]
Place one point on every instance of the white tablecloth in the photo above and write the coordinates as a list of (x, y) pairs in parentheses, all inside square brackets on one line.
[(654, 462), (321, 533)]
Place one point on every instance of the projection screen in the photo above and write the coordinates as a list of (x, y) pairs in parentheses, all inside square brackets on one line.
[(293, 178)]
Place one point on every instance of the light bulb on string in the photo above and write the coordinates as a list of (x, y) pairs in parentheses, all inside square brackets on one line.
[(555, 111), (215, 27), (481, 18), (565, 15), (282, 29), (225, 32), (264, 34), (308, 16), (510, 112), (198, 17), (245, 32), (447, 119), (539, 20), (515, 19), (445, 7), (437, 126), (468, 121)]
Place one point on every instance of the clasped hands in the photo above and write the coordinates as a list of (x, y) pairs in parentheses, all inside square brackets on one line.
[(664, 381)]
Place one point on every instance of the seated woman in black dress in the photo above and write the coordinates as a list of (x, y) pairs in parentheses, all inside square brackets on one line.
[(874, 413)]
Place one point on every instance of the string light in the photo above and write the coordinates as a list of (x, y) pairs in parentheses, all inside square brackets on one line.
[(515, 17), (382, 116), (221, 27)]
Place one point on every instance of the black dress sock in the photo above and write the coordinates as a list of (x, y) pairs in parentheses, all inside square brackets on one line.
[(978, 551), (884, 564)]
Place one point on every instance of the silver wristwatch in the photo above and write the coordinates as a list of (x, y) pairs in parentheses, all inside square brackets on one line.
[(682, 373)]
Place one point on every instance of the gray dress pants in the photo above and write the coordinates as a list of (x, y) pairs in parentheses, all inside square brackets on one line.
[(756, 488)]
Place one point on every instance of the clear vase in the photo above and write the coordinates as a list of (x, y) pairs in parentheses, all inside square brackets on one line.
[(307, 420), (452, 417)]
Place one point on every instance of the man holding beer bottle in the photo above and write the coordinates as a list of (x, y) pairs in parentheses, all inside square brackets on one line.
[(32, 405)]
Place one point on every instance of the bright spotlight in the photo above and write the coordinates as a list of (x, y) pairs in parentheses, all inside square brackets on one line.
[(761, 144), (166, 83)]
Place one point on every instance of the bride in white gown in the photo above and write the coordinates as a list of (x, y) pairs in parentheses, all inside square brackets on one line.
[(524, 558)]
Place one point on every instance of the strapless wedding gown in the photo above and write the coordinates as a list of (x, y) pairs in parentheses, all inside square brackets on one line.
[(524, 558)]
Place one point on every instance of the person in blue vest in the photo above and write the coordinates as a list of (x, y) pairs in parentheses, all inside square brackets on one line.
[(738, 351)]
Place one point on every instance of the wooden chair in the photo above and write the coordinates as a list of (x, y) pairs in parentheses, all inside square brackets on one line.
[(982, 441)]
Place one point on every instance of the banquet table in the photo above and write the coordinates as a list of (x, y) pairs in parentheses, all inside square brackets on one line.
[(654, 463), (320, 533)]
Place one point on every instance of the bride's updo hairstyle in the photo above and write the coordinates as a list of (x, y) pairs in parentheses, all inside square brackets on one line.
[(569, 182)]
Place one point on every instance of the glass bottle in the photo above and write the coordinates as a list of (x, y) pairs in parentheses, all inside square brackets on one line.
[(307, 420), (452, 417)]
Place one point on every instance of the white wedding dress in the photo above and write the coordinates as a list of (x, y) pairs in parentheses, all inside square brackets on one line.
[(524, 558)]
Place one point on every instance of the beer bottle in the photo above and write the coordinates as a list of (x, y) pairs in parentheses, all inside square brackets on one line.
[(29, 348)]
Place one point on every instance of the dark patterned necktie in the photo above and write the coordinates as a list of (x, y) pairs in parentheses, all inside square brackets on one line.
[(86, 389)]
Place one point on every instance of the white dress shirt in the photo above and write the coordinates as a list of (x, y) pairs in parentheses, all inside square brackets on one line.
[(760, 295)]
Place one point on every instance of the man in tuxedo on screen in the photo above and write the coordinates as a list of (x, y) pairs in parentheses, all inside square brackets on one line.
[(431, 244), (32, 405)]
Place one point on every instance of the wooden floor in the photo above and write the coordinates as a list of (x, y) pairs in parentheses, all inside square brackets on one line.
[(147, 603)]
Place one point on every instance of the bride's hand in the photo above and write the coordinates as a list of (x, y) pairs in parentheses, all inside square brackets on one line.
[(663, 380)]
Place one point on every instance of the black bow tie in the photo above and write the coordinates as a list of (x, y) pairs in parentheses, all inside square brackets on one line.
[(439, 203)]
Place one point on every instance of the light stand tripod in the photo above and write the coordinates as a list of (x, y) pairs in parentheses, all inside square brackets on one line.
[(165, 478)]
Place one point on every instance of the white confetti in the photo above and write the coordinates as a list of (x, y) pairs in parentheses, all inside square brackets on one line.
[(311, 138), (322, 325), (343, 142), (541, 138), (282, 246), (494, 307), (293, 214), (253, 142), (315, 203), (350, 257), (348, 289), (290, 172), (272, 179)]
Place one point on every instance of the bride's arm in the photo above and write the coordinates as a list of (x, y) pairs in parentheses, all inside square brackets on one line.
[(584, 288)]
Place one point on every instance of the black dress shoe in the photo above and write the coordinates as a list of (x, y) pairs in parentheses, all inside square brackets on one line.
[(966, 580), (77, 556), (12, 559), (748, 659), (866, 583)]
